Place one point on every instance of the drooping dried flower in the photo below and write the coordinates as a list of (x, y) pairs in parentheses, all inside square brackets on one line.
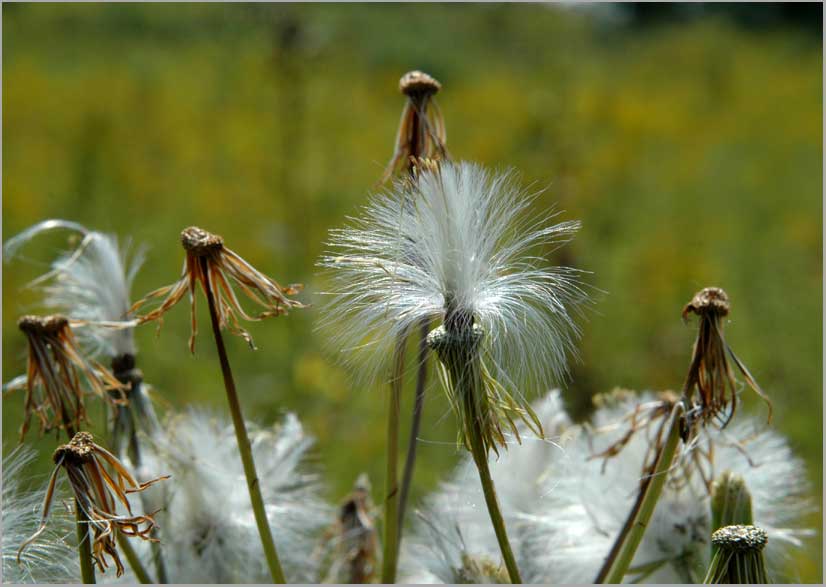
[(58, 376), (710, 373), (99, 493), (421, 128), (456, 246), (354, 538), (208, 530), (209, 263), (50, 558)]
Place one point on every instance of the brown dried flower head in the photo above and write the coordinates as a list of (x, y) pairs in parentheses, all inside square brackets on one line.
[(355, 538), (710, 372), (98, 493), (421, 128), (217, 268), (58, 375)]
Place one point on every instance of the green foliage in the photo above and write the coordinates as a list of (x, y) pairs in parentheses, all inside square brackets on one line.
[(692, 154)]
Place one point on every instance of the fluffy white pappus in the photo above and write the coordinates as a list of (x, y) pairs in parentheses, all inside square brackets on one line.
[(461, 237), (572, 529), (453, 540), (208, 531), (49, 559), (89, 282)]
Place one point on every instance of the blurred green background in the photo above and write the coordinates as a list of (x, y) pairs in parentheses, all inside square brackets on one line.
[(687, 140)]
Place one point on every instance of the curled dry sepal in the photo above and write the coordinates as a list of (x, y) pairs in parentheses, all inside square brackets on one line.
[(98, 492), (57, 374), (458, 244), (217, 268)]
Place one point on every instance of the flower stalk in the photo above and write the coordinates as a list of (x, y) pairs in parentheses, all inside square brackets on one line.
[(457, 345), (84, 547), (391, 486), (244, 448)]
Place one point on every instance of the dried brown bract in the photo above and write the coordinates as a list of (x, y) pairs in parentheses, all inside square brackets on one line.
[(421, 129), (210, 263), (58, 376), (356, 538), (98, 493), (710, 372)]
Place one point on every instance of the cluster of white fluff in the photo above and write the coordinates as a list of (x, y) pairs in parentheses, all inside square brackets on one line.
[(208, 531), (463, 237), (90, 282), (49, 559), (564, 512)]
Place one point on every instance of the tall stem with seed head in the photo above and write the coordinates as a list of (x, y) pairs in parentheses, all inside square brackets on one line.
[(84, 548), (244, 448), (457, 343)]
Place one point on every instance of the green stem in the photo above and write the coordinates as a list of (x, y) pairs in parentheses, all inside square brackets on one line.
[(622, 553), (244, 448), (134, 560), (84, 549), (391, 487), (415, 425)]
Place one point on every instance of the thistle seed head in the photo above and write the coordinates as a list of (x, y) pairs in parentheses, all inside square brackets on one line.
[(740, 538), (199, 242), (416, 83)]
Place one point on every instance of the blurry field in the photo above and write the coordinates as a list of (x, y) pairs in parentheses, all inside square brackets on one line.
[(691, 152)]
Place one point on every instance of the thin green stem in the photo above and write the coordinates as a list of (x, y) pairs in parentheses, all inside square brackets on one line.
[(622, 553), (134, 561), (415, 424), (84, 549), (244, 448), (391, 487)]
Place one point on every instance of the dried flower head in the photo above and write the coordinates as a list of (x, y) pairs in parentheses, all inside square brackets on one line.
[(58, 376), (209, 533), (354, 538), (89, 282), (50, 558), (99, 493), (216, 268), (421, 129), (738, 556), (710, 372), (457, 246)]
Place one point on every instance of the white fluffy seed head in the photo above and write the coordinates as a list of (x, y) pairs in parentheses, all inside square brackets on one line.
[(461, 236), (89, 282), (571, 530), (50, 558), (208, 529)]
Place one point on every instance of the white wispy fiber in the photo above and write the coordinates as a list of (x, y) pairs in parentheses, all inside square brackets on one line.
[(50, 558), (89, 282), (453, 540), (570, 532), (461, 237), (208, 531)]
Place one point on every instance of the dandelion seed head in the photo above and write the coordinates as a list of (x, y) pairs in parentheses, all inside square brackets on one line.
[(417, 82), (208, 527), (457, 239), (199, 242), (51, 557), (89, 282)]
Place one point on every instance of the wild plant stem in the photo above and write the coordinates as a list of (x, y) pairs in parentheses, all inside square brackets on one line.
[(622, 553), (134, 560), (415, 425), (391, 487), (244, 448), (84, 549)]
